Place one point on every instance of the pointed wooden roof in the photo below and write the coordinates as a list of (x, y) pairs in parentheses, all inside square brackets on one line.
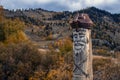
[(82, 21)]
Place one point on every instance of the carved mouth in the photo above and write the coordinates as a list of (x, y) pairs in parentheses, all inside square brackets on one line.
[(79, 46)]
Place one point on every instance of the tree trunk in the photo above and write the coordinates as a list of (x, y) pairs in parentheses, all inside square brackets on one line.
[(82, 48)]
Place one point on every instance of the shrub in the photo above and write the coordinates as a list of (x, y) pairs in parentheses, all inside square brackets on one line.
[(106, 69), (18, 61), (101, 52), (64, 45), (12, 30)]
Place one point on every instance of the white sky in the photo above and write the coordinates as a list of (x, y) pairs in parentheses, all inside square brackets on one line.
[(60, 5)]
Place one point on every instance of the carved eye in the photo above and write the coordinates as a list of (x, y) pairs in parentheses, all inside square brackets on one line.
[(75, 36), (79, 33)]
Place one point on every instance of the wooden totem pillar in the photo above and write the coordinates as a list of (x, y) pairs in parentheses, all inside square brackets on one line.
[(82, 47)]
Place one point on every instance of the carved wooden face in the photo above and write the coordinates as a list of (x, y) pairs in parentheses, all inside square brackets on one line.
[(79, 39)]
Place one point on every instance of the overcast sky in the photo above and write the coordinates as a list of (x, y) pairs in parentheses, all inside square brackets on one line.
[(112, 6)]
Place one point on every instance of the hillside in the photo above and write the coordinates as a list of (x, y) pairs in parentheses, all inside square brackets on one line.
[(42, 23), (36, 44)]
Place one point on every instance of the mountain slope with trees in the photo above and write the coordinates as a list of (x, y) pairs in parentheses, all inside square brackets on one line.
[(105, 32), (44, 23), (21, 59)]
